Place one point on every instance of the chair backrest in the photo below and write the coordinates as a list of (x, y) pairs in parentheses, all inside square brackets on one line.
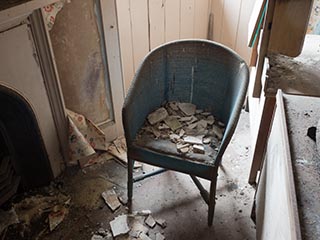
[(205, 73)]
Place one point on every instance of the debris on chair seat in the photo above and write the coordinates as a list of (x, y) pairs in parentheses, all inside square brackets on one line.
[(210, 120), (157, 116), (187, 108), (184, 124), (193, 140), (192, 125), (181, 133), (159, 236), (119, 225), (173, 123), (205, 114), (150, 221), (198, 149), (221, 124), (163, 126), (173, 106), (161, 222), (111, 199), (174, 137), (217, 131), (182, 145), (202, 124)]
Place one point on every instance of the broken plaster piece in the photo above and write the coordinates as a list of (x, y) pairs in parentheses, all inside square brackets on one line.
[(181, 133), (198, 149), (187, 108), (111, 199), (192, 126), (184, 150), (163, 126), (206, 140), (217, 131), (144, 236), (174, 106), (174, 137), (159, 236), (161, 222), (210, 120), (119, 225), (157, 116), (202, 124), (206, 114), (192, 140), (180, 145), (150, 221), (173, 123), (137, 228)]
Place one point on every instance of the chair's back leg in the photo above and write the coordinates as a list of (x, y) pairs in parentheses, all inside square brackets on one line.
[(212, 199), (130, 183)]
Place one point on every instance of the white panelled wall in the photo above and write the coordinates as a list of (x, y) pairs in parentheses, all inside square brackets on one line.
[(146, 24)]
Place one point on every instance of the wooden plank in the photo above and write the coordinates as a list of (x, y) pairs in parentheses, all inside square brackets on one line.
[(231, 13), (261, 140), (264, 47), (125, 37), (186, 19), (172, 20), (140, 32), (277, 213), (201, 19), (241, 38), (156, 18), (109, 17), (217, 12), (289, 26), (255, 22)]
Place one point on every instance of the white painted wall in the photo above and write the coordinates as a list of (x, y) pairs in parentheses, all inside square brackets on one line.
[(146, 24)]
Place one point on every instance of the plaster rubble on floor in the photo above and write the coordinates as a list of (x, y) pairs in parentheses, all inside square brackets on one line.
[(119, 225), (111, 199), (150, 221)]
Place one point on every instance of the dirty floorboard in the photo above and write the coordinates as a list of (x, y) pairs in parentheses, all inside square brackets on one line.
[(170, 196)]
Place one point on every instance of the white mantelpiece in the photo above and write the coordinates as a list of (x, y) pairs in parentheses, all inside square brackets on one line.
[(27, 66)]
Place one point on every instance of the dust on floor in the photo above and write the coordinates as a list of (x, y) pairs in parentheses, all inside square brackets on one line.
[(171, 196)]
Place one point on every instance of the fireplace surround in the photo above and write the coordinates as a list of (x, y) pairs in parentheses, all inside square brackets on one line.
[(33, 126)]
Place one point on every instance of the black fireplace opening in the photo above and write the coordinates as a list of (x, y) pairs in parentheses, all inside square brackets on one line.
[(24, 163)]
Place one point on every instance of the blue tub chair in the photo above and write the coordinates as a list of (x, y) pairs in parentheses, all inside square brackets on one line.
[(202, 72)]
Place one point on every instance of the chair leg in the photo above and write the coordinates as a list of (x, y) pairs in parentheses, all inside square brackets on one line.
[(130, 183), (212, 201)]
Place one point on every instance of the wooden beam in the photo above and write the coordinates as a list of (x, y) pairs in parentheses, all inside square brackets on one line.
[(264, 47)]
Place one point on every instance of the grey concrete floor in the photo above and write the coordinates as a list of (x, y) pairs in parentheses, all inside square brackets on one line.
[(171, 196)]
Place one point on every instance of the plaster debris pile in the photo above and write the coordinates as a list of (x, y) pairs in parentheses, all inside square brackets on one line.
[(191, 129), (139, 225)]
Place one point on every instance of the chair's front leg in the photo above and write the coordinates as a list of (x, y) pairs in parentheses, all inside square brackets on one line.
[(212, 199), (130, 183)]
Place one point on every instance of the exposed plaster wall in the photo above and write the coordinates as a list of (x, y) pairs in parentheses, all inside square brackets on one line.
[(76, 44)]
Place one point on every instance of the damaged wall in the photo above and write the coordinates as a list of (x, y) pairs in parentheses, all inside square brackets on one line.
[(76, 44)]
